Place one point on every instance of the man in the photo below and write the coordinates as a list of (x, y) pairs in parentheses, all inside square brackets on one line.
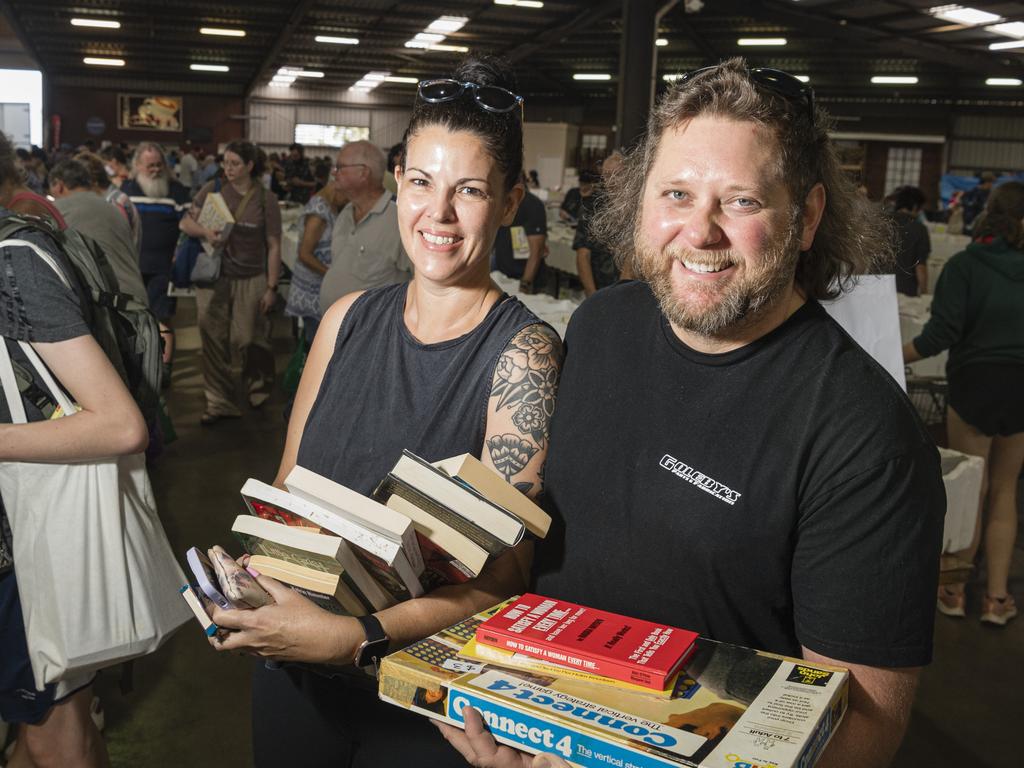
[(161, 201), (71, 185), (912, 242), (595, 264), (366, 249), (188, 167), (974, 200), (520, 248), (298, 175), (723, 456)]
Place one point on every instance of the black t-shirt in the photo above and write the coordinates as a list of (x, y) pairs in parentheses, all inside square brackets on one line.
[(602, 261), (912, 248), (779, 495), (510, 242), (571, 202)]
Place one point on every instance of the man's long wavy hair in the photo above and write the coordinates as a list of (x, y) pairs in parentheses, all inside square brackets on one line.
[(853, 237)]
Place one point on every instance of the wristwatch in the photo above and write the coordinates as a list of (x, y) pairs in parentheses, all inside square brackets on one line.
[(375, 646)]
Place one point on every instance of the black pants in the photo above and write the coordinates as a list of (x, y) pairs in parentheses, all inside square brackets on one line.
[(302, 719)]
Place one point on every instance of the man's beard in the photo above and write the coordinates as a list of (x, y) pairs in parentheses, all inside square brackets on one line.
[(739, 303), (158, 187)]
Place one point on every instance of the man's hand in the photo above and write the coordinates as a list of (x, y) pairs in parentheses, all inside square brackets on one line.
[(481, 750)]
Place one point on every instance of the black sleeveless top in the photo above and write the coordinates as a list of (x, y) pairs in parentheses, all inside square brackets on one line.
[(384, 391)]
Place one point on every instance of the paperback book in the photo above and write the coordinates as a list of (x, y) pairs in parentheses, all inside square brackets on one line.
[(632, 650), (737, 706), (448, 556), (332, 592)]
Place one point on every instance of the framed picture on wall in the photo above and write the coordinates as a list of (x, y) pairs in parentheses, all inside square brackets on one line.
[(149, 113)]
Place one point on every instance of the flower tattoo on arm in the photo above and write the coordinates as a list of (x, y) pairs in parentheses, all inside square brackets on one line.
[(525, 385)]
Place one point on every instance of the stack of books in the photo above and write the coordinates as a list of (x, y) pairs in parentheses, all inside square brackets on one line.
[(724, 706), (426, 525)]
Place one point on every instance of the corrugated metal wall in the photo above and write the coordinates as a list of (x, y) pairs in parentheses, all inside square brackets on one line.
[(980, 143)]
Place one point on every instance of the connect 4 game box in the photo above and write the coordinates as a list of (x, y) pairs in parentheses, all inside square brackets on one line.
[(734, 707)]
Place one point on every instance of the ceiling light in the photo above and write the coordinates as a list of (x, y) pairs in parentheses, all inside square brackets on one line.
[(101, 62), (521, 3), (208, 67), (958, 14), (803, 78), (337, 40), (299, 72), (98, 23), (377, 75), (279, 84), (1010, 29), (761, 41), (354, 89), (1007, 45), (222, 32), (283, 79), (410, 80), (661, 42), (436, 46), (894, 80), (670, 78), (447, 24), (429, 37), (591, 76), (1003, 81)]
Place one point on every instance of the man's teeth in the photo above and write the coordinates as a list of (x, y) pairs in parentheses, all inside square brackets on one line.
[(438, 239), (703, 268)]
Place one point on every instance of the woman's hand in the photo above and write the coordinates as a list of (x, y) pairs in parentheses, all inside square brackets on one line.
[(293, 629), (481, 750), (213, 236), (267, 301)]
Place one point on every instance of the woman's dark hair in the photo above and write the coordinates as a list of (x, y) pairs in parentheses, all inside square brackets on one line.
[(501, 133), (114, 153), (1003, 214), (249, 153), (908, 198)]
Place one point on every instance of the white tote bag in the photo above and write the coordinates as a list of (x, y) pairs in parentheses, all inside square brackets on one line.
[(97, 579)]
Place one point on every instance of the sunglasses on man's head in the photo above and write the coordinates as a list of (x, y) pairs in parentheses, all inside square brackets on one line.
[(488, 97), (774, 80)]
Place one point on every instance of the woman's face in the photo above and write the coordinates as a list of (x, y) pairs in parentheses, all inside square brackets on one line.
[(235, 168), (451, 201)]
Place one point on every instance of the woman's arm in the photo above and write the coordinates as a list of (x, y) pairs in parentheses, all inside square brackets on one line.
[(311, 234), (273, 273), (108, 424)]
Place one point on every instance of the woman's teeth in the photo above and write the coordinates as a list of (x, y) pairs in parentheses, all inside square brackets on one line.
[(438, 239)]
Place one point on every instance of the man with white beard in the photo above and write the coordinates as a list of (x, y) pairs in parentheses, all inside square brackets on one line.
[(161, 202), (723, 456)]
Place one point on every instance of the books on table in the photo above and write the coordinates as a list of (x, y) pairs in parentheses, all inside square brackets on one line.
[(734, 706)]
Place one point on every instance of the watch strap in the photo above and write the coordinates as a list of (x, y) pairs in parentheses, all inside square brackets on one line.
[(376, 644)]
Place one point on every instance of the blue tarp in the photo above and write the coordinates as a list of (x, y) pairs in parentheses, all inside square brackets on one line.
[(949, 184)]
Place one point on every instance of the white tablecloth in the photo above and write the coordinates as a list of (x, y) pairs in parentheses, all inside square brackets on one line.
[(914, 313), (555, 312)]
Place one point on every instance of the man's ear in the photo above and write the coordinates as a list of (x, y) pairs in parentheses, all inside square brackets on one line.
[(810, 218), (512, 200)]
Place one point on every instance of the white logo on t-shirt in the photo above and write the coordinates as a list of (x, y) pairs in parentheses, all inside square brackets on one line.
[(699, 479)]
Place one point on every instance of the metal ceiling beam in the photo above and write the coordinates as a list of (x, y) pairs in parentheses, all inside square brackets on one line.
[(899, 47), (16, 26), (579, 23), (294, 22)]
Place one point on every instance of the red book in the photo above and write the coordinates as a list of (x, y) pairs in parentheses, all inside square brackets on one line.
[(632, 650)]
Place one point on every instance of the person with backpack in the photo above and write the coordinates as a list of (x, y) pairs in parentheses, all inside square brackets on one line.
[(234, 309), (48, 310)]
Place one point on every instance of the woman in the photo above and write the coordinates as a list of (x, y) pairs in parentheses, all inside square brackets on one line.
[(233, 310), (54, 725), (419, 365), (316, 225), (978, 314)]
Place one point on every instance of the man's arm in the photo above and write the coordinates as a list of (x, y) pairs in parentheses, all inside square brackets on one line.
[(586, 274), (876, 718), (921, 270), (538, 250)]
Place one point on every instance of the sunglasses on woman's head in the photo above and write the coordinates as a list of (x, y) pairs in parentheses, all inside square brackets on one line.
[(774, 80), (488, 97)]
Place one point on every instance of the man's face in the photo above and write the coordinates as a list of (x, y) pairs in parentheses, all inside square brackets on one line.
[(716, 238), (349, 174), (150, 165)]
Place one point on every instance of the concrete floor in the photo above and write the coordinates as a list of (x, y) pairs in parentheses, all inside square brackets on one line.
[(191, 704)]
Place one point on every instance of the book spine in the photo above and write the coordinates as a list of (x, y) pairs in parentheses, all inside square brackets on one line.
[(440, 567), (574, 659), (393, 485), (410, 576), (386, 575)]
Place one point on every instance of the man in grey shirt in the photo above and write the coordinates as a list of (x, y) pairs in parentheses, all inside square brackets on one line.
[(366, 249), (91, 215)]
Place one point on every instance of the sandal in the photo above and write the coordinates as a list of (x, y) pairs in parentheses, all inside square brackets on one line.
[(998, 610), (951, 603)]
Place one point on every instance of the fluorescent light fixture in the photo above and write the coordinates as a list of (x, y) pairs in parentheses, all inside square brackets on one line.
[(958, 14), (436, 46), (745, 41), (447, 24), (670, 78), (803, 78), (221, 32), (98, 61), (279, 84), (1010, 29), (355, 89), (591, 76), (1003, 81), (410, 80), (661, 42), (208, 68), (283, 79), (299, 72), (98, 23), (521, 3), (894, 80), (1007, 45), (337, 40), (429, 37), (379, 76)]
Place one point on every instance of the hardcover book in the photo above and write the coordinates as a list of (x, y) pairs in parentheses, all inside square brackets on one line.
[(469, 470), (736, 707), (632, 650)]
